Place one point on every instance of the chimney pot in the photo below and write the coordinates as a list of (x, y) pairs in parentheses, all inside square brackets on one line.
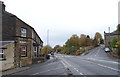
[(3, 5)]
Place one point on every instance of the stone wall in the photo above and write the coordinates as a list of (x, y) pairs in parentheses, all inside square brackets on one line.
[(9, 55)]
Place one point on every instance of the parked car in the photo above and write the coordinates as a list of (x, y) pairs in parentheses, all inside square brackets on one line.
[(107, 49), (48, 56)]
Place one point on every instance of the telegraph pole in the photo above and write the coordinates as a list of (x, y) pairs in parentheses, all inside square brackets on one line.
[(109, 36), (47, 43), (47, 37), (109, 29)]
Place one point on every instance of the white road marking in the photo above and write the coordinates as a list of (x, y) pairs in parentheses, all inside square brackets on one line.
[(35, 74), (103, 60), (75, 68), (108, 67), (103, 66), (81, 73), (64, 64), (67, 63)]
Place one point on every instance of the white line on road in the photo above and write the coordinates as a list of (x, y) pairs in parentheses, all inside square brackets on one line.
[(64, 64), (67, 63), (75, 68), (103, 60), (104, 66), (108, 67), (81, 73)]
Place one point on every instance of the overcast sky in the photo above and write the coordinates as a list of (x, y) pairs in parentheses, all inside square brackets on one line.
[(64, 18)]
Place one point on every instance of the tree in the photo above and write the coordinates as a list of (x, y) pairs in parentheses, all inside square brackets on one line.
[(113, 42), (118, 43), (83, 40), (98, 38), (58, 48), (117, 30), (46, 49), (72, 45), (73, 41)]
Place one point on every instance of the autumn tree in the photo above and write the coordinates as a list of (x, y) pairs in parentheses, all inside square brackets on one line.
[(72, 44), (85, 40), (46, 49), (118, 29), (58, 48), (98, 38)]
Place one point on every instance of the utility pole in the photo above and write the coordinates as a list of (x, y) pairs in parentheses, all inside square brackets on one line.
[(109, 36), (109, 29), (47, 37), (47, 43)]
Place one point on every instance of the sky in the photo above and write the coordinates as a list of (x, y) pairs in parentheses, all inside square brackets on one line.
[(63, 18)]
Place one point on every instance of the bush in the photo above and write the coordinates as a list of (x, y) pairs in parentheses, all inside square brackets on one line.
[(113, 42)]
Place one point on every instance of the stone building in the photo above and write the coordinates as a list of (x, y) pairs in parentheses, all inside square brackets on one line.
[(7, 55), (27, 42), (109, 36)]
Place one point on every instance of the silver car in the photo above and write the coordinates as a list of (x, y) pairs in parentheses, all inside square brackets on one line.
[(107, 49)]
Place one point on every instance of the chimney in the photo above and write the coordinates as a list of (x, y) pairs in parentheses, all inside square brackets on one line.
[(2, 5)]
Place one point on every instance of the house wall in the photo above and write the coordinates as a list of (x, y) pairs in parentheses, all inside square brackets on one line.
[(11, 30), (109, 37), (9, 53), (28, 59)]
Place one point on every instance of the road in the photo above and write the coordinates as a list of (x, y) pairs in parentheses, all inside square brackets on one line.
[(95, 62)]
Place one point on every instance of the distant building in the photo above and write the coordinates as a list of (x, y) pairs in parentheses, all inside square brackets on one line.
[(27, 42), (109, 36)]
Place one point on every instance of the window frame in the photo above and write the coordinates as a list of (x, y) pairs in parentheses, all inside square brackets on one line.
[(3, 56), (23, 32), (23, 51)]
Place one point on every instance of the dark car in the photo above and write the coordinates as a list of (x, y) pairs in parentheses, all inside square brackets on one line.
[(48, 56)]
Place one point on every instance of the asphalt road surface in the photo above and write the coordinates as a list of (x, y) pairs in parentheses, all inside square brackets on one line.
[(95, 62)]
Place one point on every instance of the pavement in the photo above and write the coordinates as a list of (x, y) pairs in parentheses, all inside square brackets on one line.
[(15, 70), (21, 69)]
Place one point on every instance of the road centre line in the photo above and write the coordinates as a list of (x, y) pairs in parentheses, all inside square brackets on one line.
[(67, 63), (64, 64), (70, 66), (81, 73)]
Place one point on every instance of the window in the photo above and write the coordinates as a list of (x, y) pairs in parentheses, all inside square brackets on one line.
[(23, 42), (23, 50), (2, 56), (35, 51), (23, 32)]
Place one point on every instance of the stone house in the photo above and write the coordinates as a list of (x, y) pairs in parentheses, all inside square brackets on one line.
[(27, 42), (109, 36), (7, 55)]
